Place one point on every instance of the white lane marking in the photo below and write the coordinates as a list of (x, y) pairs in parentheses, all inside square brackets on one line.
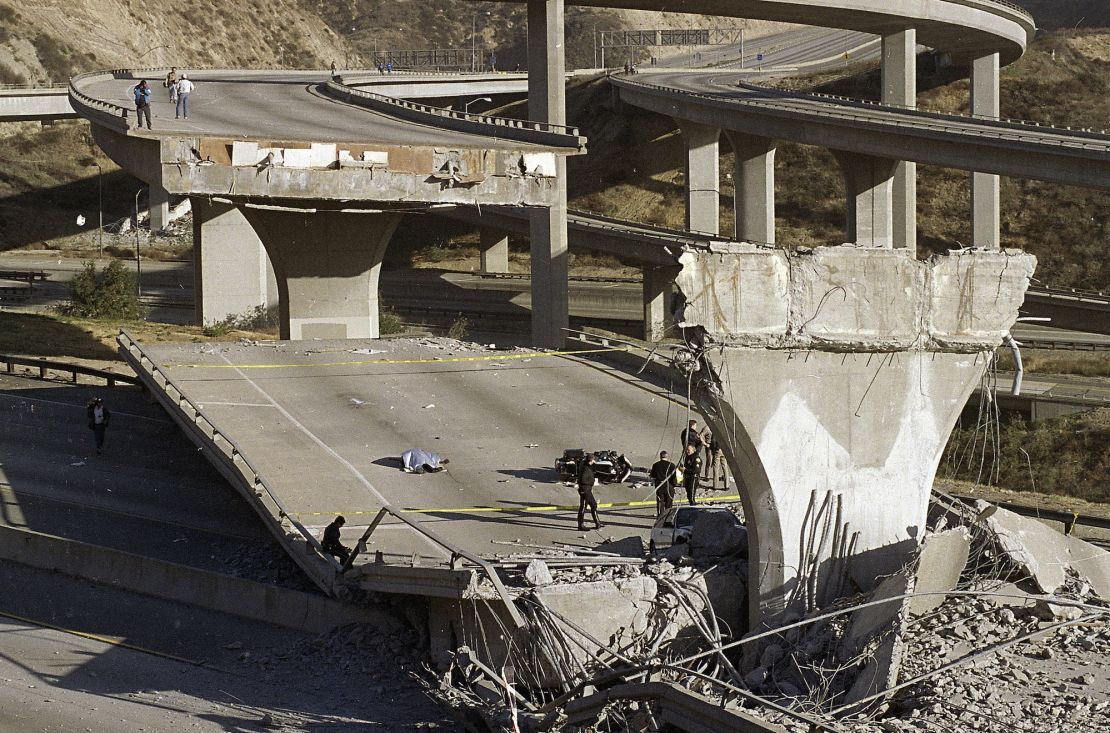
[(10, 395), (327, 448)]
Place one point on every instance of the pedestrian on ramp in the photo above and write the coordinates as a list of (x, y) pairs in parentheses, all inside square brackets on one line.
[(98, 416), (586, 481)]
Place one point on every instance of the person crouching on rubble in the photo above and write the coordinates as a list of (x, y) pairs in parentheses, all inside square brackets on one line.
[(586, 481), (331, 543)]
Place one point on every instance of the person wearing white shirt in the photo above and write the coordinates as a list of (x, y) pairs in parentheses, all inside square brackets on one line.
[(184, 89)]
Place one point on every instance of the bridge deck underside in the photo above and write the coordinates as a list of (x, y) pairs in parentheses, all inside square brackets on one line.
[(325, 427)]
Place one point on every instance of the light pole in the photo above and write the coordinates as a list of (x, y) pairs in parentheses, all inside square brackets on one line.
[(138, 262), (474, 38), (100, 203), (741, 48), (466, 107)]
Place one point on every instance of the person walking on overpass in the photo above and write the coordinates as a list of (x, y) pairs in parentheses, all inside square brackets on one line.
[(98, 416), (586, 481), (691, 472), (664, 477), (171, 83), (331, 543), (184, 89), (143, 93)]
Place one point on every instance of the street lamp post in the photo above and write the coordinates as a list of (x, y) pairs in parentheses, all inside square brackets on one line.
[(138, 262), (474, 38), (466, 106), (100, 204)]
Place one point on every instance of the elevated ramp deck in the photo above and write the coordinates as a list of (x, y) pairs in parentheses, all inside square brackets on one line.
[(307, 430)]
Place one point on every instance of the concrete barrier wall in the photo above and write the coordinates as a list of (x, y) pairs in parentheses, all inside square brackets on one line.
[(171, 581)]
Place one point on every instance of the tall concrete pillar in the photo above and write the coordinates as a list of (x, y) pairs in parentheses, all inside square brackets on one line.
[(986, 204), (832, 378), (159, 208), (900, 88), (869, 183), (327, 266), (658, 282), (232, 273), (548, 227), (754, 181), (703, 177), (494, 248)]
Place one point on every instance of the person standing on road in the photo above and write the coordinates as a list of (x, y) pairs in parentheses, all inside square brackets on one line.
[(98, 416), (331, 543), (171, 83), (184, 89), (691, 472), (143, 94), (692, 436), (586, 480), (663, 476), (713, 456)]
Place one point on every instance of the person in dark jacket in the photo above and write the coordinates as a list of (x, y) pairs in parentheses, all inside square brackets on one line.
[(98, 416), (586, 480), (143, 93), (692, 436), (691, 472), (331, 543), (663, 476)]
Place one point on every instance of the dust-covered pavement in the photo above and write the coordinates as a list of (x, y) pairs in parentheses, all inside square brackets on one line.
[(220, 673)]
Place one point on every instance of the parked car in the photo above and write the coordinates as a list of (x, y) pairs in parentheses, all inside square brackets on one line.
[(676, 525), (609, 466)]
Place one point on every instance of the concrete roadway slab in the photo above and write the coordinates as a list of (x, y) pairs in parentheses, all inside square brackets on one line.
[(325, 425)]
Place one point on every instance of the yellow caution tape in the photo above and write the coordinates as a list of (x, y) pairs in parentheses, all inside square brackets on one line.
[(493, 509), (444, 360)]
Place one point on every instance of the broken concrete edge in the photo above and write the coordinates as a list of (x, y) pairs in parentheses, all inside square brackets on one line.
[(228, 594), (851, 298), (685, 709), (1043, 554)]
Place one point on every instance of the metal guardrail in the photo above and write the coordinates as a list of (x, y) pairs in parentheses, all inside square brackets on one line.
[(45, 366), (456, 553), (503, 127), (972, 126), (220, 440), (1069, 294)]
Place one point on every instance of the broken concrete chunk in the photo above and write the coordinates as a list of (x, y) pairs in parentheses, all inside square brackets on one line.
[(1045, 554), (941, 560), (537, 574)]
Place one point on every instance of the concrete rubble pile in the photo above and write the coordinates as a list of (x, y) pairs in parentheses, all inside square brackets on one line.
[(999, 624)]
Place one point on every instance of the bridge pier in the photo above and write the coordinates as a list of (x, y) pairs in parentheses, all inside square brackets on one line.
[(899, 72), (833, 378), (986, 197), (232, 272), (753, 179), (548, 227), (870, 207), (159, 208), (703, 176), (494, 248), (657, 300), (327, 265)]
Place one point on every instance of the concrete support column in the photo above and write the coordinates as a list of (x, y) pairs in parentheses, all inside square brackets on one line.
[(658, 282), (703, 177), (232, 273), (869, 182), (494, 246), (899, 69), (754, 181), (548, 227), (159, 208), (327, 267), (986, 203)]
